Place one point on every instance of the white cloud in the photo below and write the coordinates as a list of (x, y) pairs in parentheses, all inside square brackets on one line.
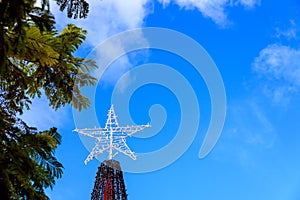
[(248, 3), (164, 2), (214, 9), (279, 65), (114, 57), (289, 32), (279, 62), (108, 17)]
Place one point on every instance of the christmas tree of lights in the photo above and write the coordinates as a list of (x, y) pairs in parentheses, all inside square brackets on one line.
[(109, 183)]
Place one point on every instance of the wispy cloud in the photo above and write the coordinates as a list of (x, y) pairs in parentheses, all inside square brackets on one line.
[(247, 134), (249, 4), (213, 9), (114, 57), (289, 32), (42, 116), (251, 125), (278, 66)]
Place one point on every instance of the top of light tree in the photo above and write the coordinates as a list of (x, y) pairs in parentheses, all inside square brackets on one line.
[(111, 138)]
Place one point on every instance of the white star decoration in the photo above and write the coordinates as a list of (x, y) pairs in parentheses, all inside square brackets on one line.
[(112, 138)]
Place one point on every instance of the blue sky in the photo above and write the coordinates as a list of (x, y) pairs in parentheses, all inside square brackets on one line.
[(255, 45)]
